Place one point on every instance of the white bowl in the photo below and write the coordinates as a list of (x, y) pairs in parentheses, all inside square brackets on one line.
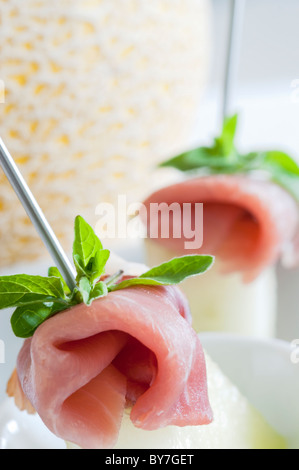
[(266, 373), (262, 369)]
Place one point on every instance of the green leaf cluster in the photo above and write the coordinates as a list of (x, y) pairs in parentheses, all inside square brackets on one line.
[(37, 298), (223, 157)]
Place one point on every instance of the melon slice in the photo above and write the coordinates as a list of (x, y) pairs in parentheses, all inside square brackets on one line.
[(221, 301), (236, 425)]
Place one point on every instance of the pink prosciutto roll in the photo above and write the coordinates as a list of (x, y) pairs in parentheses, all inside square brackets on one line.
[(134, 349), (248, 225)]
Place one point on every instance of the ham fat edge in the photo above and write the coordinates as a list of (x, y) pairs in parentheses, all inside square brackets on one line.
[(133, 348), (248, 224)]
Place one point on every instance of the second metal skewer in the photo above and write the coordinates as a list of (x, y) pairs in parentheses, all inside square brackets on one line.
[(237, 9)]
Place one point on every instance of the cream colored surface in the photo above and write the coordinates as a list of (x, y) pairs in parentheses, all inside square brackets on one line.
[(223, 302), (236, 425), (95, 95)]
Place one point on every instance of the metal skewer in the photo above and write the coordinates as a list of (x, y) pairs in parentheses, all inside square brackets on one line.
[(237, 10), (36, 215)]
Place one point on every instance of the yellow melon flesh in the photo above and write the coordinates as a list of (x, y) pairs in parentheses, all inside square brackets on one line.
[(243, 308), (236, 425)]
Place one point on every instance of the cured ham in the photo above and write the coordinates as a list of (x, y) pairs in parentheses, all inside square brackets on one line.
[(134, 349), (248, 225)]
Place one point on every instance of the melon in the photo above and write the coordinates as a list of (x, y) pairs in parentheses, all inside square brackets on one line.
[(237, 424), (221, 301)]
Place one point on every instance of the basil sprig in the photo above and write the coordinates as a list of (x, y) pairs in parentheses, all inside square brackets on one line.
[(223, 157), (38, 298), (170, 273)]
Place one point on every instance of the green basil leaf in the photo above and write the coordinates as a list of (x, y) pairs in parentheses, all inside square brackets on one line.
[(99, 290), (189, 160), (25, 320), (88, 254), (223, 158), (178, 269), (251, 161), (98, 265), (280, 161), (225, 142), (200, 158), (86, 243), (22, 289), (54, 272), (81, 271), (90, 294), (85, 289), (281, 169), (170, 273), (95, 268), (135, 282)]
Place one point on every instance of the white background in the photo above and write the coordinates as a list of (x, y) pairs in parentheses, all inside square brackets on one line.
[(268, 66)]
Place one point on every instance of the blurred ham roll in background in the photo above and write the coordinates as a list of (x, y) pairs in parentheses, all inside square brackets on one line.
[(249, 225), (96, 94)]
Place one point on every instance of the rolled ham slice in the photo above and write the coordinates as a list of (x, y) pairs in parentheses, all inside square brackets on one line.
[(247, 223), (133, 349)]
